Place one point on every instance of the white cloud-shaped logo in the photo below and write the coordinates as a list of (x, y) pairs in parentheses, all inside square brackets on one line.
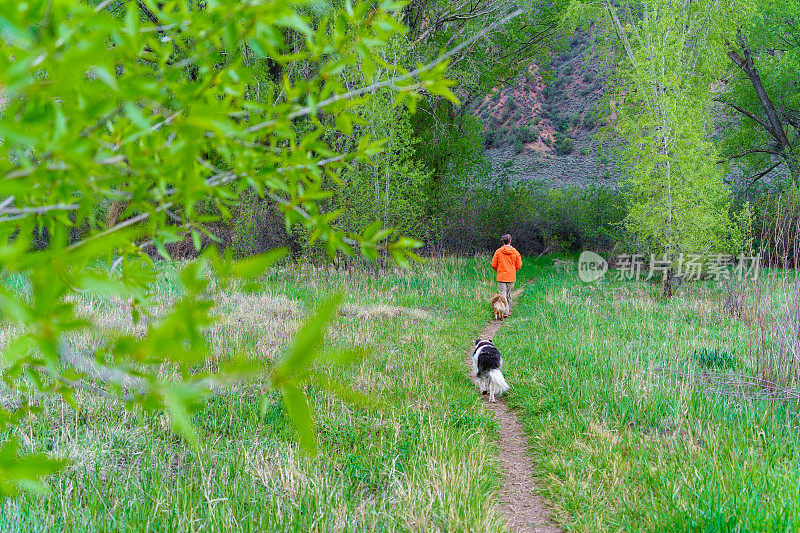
[(591, 267)]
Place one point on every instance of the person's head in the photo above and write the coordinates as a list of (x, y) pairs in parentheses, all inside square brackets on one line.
[(506, 239)]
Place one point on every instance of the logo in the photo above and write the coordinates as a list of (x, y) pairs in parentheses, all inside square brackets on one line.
[(591, 267)]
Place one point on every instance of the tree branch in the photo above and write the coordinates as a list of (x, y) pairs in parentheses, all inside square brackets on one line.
[(5, 203), (620, 31), (36, 210), (124, 224), (761, 175), (390, 82), (773, 125), (751, 116), (752, 151)]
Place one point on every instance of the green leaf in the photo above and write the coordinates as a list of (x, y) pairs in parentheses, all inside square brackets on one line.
[(255, 266), (196, 240), (372, 229), (344, 123), (175, 401), (135, 115), (369, 252), (294, 21), (14, 309), (344, 357), (24, 470), (346, 393), (105, 286), (105, 76), (299, 412), (306, 342)]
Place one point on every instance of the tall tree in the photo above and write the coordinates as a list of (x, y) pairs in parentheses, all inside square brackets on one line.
[(669, 56), (764, 90)]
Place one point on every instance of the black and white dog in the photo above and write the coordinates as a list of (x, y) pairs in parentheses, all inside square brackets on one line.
[(486, 364)]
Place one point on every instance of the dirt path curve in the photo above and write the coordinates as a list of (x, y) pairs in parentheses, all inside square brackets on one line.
[(523, 508)]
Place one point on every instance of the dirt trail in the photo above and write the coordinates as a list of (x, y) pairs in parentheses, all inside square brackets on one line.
[(523, 508)]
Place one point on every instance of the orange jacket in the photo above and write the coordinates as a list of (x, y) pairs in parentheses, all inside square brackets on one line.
[(506, 262)]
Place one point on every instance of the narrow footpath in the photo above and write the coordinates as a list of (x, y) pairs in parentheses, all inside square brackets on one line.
[(523, 508)]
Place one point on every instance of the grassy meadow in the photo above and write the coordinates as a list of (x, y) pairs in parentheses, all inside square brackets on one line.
[(619, 444), (425, 461)]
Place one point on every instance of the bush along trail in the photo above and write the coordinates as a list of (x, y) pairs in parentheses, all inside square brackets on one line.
[(523, 508)]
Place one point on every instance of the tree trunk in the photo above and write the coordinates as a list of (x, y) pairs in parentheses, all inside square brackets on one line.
[(773, 124)]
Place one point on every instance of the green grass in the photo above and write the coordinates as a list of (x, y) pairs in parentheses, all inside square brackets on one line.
[(425, 462), (620, 446)]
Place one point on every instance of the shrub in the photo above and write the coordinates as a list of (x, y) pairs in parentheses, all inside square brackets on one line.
[(526, 134), (510, 135), (554, 220), (518, 115), (565, 146), (500, 136), (584, 150), (587, 76), (530, 78), (518, 146), (489, 138), (714, 358)]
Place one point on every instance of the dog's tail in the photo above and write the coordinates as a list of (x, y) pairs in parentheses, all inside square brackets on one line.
[(499, 382)]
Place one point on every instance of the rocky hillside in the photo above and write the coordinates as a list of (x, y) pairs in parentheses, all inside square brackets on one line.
[(540, 127)]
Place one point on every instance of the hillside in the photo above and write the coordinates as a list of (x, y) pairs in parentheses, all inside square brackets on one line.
[(540, 126)]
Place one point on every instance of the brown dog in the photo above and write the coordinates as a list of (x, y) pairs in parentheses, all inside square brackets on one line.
[(500, 305)]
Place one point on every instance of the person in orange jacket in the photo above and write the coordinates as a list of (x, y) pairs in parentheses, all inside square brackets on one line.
[(506, 262)]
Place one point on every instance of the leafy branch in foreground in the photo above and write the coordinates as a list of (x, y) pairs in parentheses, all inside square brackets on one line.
[(129, 126)]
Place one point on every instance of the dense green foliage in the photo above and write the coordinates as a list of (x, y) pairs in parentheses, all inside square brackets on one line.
[(678, 204), (763, 93), (161, 114), (540, 219)]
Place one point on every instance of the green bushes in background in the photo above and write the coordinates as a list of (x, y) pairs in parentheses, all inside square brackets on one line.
[(539, 218)]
